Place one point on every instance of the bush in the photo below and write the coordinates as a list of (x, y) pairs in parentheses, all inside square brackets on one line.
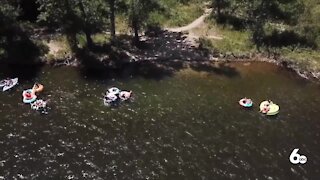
[(205, 43)]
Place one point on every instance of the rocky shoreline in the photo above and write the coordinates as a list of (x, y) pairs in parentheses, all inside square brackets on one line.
[(285, 63)]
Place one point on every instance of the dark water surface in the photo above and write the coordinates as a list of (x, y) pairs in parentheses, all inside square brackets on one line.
[(182, 126)]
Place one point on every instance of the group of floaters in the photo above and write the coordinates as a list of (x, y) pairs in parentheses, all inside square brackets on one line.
[(114, 95), (30, 97), (266, 107)]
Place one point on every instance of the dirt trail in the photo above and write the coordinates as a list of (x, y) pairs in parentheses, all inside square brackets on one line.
[(196, 23), (53, 47)]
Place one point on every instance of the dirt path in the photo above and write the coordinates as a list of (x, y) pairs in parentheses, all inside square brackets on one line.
[(196, 23), (53, 47), (193, 36)]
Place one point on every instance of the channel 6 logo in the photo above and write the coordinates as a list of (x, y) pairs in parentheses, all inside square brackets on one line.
[(296, 158)]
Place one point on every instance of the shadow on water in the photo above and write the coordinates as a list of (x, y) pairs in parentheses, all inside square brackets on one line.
[(145, 69), (219, 69), (23, 72)]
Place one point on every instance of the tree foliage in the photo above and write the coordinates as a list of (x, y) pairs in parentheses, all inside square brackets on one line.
[(264, 17)]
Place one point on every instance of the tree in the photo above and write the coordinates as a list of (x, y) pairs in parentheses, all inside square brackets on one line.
[(139, 12), (219, 6), (309, 22), (112, 16), (259, 13), (8, 16), (74, 16)]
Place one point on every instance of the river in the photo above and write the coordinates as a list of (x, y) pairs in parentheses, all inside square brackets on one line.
[(181, 125)]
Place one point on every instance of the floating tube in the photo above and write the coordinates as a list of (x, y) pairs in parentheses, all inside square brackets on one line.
[(114, 90), (9, 84), (107, 102), (246, 102), (111, 97), (269, 108), (38, 88), (3, 83), (125, 95), (28, 96), (274, 109), (38, 104)]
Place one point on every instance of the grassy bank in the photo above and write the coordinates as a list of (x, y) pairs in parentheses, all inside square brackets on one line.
[(305, 58), (183, 14), (239, 42)]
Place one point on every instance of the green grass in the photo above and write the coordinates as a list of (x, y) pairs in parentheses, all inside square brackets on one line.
[(122, 24), (232, 40), (182, 15), (306, 58), (238, 42), (100, 38), (176, 14)]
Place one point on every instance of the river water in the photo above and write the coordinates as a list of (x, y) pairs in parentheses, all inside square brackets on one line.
[(181, 125)]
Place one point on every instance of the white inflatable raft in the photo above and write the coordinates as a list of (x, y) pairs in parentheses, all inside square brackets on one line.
[(8, 84)]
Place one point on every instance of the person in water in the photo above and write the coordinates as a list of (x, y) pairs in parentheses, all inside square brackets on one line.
[(36, 86), (265, 109), (125, 95), (110, 97), (8, 82)]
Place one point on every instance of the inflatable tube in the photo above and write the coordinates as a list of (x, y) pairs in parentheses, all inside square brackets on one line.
[(28, 96), (3, 83), (10, 84), (39, 88), (125, 95), (38, 104), (246, 102), (269, 108), (274, 109), (111, 97), (107, 102), (114, 90)]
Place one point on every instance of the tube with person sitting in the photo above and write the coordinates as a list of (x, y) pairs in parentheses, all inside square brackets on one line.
[(125, 95)]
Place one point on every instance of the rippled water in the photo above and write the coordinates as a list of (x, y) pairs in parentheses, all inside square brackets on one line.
[(187, 125)]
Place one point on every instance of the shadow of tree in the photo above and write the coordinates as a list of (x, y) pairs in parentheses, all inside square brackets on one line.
[(155, 57), (168, 45), (23, 72), (19, 48), (287, 38), (235, 22), (145, 69), (218, 68)]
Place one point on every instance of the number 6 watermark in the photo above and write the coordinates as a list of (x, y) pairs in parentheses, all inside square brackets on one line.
[(296, 158)]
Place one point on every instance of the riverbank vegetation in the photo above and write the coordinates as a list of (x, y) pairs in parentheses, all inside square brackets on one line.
[(42, 30), (279, 29)]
